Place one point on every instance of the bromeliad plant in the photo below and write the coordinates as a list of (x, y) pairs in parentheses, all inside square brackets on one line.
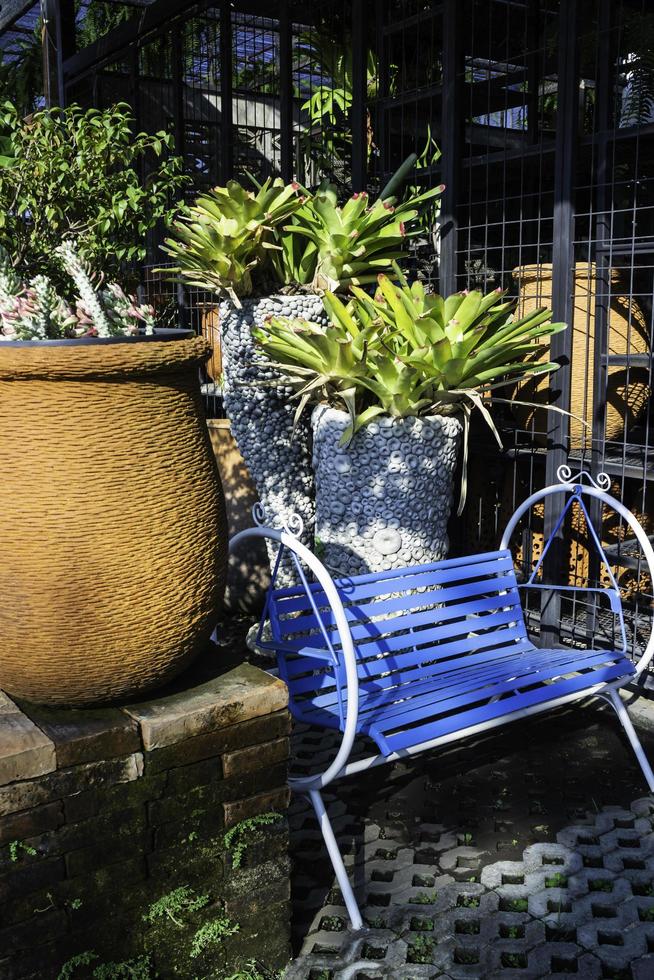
[(279, 238), (224, 236), (405, 352), (37, 311)]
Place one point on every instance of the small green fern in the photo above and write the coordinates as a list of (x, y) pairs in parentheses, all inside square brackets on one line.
[(211, 934), (175, 905), (236, 839)]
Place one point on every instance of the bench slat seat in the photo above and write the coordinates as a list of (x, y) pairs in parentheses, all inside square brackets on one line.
[(440, 648)]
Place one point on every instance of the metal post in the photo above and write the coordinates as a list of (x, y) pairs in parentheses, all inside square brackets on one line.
[(562, 298), (383, 87), (178, 90), (58, 44), (451, 141), (286, 91), (359, 97), (603, 277), (226, 121)]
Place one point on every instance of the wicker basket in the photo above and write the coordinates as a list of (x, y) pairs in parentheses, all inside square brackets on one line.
[(113, 521), (628, 334)]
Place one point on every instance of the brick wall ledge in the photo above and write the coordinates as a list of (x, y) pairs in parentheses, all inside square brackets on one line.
[(111, 814), (36, 740)]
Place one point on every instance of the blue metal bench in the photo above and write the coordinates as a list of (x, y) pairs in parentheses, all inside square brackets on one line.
[(418, 657)]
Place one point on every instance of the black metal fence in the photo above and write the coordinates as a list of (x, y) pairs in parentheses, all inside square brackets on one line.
[(538, 115)]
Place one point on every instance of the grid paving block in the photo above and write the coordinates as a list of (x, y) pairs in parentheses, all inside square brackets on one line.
[(461, 859), (568, 962), (615, 943), (551, 856), (643, 968), (643, 807)]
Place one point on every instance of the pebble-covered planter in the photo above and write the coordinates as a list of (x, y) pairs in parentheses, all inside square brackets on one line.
[(383, 501), (261, 415)]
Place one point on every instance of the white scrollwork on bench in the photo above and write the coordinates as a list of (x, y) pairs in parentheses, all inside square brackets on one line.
[(565, 475), (292, 524)]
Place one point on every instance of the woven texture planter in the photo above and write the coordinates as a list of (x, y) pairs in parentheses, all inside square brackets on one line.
[(113, 524), (628, 333), (385, 500), (261, 413)]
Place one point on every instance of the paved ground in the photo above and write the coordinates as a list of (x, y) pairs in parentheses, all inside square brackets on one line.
[(523, 854)]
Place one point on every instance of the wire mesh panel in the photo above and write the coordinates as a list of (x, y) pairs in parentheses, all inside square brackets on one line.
[(543, 112)]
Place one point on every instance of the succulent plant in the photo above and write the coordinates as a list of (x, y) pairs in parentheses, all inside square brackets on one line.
[(407, 352), (36, 311), (225, 234), (329, 247), (237, 241)]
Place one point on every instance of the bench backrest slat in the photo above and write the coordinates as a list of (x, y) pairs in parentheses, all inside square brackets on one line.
[(406, 624)]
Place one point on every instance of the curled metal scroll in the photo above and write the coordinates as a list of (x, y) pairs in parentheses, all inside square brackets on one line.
[(292, 524), (565, 475)]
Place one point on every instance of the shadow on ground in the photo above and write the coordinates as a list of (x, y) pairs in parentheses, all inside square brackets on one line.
[(516, 855)]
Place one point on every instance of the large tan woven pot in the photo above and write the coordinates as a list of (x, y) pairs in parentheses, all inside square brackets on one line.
[(628, 391), (112, 524)]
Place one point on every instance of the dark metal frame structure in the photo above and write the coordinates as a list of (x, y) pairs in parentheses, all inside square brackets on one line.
[(545, 154)]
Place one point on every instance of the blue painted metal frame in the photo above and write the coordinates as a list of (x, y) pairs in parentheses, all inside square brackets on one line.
[(419, 657)]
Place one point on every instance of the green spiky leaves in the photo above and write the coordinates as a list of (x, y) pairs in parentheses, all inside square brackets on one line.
[(225, 234), (407, 352), (232, 240)]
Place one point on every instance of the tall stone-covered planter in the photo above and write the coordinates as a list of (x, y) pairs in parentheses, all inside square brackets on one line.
[(112, 527), (383, 501), (261, 413)]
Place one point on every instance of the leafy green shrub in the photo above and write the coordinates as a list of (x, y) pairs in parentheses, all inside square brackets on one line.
[(75, 173)]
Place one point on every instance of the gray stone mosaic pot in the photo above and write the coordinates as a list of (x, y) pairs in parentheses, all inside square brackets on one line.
[(261, 415), (383, 501)]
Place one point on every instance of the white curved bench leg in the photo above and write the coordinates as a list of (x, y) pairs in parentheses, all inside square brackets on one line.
[(616, 702), (337, 861)]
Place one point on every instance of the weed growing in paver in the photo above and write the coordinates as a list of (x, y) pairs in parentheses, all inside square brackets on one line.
[(514, 961), (385, 854), (374, 921), (332, 923), (418, 924), (515, 905), (643, 889), (424, 898), (467, 928), (557, 880), (423, 881), (466, 956), (512, 932), (420, 950), (646, 915), (370, 952), (468, 901), (600, 885)]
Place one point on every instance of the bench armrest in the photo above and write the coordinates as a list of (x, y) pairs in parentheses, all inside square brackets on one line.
[(347, 665)]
